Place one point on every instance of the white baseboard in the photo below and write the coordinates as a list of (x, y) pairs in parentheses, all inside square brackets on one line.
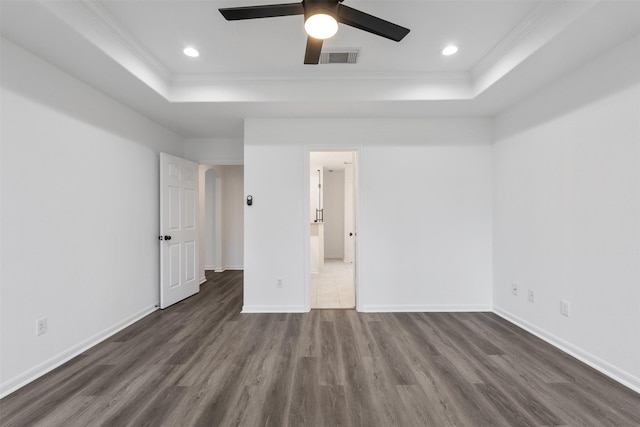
[(274, 309), (233, 267), (36, 372), (202, 280), (595, 362), (422, 308)]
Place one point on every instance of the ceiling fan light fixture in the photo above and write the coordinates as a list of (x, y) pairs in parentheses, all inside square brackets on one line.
[(321, 26), (321, 18)]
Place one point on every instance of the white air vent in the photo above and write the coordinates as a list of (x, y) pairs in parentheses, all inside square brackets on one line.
[(339, 56)]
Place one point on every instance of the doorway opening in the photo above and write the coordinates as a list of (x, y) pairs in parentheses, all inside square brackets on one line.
[(211, 212), (221, 219), (332, 242)]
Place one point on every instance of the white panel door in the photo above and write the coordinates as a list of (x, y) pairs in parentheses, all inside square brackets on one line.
[(178, 229)]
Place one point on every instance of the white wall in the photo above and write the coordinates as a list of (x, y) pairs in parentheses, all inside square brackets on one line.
[(334, 214), (567, 212), (80, 216), (214, 151), (432, 209)]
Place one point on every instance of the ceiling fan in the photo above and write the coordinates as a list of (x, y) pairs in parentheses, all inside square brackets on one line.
[(321, 21)]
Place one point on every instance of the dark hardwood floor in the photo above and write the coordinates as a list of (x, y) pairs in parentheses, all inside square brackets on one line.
[(202, 363)]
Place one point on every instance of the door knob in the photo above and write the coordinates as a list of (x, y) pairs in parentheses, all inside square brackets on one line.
[(350, 234), (167, 237)]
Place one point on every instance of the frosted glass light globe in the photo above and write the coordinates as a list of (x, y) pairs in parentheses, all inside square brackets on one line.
[(321, 26)]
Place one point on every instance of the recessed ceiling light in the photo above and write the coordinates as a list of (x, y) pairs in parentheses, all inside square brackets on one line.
[(192, 52), (449, 50)]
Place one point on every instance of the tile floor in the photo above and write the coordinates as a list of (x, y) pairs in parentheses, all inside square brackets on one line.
[(333, 287)]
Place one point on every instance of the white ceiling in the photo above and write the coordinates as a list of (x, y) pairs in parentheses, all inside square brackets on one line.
[(132, 51), (276, 45)]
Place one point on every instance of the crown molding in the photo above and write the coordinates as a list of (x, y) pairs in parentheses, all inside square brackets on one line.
[(545, 22), (99, 13), (457, 77), (322, 91), (92, 22), (510, 41)]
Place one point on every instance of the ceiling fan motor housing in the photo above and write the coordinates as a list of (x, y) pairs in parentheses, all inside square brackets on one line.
[(313, 7)]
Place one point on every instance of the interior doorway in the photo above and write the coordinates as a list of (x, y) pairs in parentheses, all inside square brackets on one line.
[(221, 219), (212, 215), (332, 214)]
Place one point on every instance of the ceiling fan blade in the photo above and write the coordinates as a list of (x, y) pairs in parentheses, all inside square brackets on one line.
[(370, 23), (312, 54), (264, 11)]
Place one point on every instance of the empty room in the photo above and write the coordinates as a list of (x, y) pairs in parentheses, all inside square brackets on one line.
[(318, 213)]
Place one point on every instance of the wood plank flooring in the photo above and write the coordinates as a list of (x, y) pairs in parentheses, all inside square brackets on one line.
[(203, 363)]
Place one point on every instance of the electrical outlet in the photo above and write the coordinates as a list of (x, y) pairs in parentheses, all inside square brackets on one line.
[(279, 283), (41, 326), (514, 288), (531, 296), (565, 308)]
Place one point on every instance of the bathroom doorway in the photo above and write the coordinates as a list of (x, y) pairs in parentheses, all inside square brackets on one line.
[(332, 214)]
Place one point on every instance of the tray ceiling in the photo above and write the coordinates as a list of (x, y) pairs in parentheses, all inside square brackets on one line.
[(132, 50)]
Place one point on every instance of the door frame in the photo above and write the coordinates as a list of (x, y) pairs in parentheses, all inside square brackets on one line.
[(308, 149), (217, 215)]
